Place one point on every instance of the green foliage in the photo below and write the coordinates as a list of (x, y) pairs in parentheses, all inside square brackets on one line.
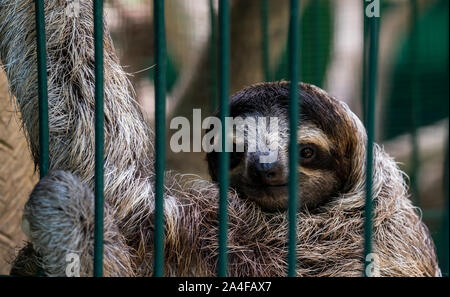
[(430, 61)]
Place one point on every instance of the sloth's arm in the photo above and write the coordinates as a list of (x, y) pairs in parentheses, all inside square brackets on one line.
[(59, 221), (70, 68)]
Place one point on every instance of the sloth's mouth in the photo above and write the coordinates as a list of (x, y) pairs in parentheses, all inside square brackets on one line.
[(274, 186), (269, 197), (267, 192), (263, 186), (275, 193)]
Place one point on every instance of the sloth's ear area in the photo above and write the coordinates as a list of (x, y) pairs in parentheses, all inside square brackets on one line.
[(337, 122)]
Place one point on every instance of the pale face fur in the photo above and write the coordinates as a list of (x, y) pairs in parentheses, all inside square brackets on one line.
[(317, 181)]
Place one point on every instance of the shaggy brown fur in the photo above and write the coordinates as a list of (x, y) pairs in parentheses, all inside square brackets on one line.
[(60, 211)]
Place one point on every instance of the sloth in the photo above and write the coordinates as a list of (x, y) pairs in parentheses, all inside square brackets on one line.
[(326, 140), (59, 215)]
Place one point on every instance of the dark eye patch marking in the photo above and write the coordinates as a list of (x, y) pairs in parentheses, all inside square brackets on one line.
[(235, 157), (320, 158)]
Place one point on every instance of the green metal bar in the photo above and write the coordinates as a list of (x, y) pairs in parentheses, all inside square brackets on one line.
[(445, 221), (160, 130), (265, 39), (364, 68), (294, 111), (224, 58), (371, 95), (415, 104), (99, 138), (42, 89), (213, 56), (315, 41)]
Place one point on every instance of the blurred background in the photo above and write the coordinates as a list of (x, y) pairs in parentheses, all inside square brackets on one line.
[(412, 94)]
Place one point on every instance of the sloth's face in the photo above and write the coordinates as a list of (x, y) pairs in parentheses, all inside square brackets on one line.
[(326, 138), (263, 176)]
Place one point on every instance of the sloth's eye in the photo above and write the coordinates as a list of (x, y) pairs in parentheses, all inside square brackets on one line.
[(307, 153)]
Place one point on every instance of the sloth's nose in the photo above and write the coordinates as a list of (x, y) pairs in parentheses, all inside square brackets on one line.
[(270, 174)]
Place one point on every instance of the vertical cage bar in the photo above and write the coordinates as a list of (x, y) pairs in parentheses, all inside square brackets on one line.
[(42, 89), (265, 39), (213, 55), (373, 23), (364, 68), (315, 40), (415, 104), (99, 137), (445, 221), (224, 57), (160, 129), (294, 110)]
